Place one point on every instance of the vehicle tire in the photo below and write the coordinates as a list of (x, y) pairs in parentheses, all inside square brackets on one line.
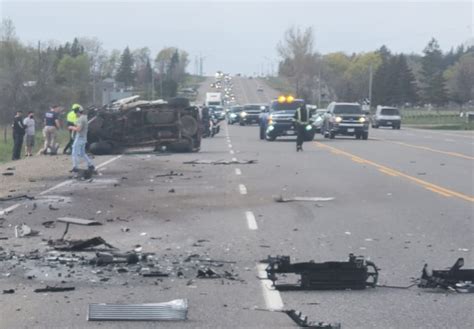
[(242, 123), (179, 102), (365, 135), (358, 136), (262, 133), (399, 126), (374, 126), (332, 135), (189, 125), (394, 127), (101, 148)]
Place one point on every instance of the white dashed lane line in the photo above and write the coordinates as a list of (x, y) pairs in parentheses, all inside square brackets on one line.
[(238, 172), (251, 222), (271, 296), (242, 189), (231, 152), (234, 159)]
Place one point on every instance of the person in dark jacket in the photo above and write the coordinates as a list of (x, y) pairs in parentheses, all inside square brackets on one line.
[(301, 120), (18, 134)]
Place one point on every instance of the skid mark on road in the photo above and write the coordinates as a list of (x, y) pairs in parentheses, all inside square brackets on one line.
[(392, 172)]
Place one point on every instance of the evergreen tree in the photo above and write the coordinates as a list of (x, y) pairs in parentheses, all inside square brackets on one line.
[(76, 48), (125, 72), (381, 82), (406, 90), (433, 82)]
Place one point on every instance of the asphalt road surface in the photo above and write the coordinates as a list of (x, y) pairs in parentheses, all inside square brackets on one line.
[(402, 199)]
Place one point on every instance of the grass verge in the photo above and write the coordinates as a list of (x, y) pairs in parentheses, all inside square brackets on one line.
[(6, 146)]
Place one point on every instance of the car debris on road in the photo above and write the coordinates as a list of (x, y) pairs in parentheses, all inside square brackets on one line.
[(300, 198), (356, 273), (221, 162), (176, 310), (454, 279)]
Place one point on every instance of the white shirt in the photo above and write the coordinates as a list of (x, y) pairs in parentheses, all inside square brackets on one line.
[(29, 124)]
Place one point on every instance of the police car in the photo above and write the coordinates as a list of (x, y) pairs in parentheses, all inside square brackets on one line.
[(279, 120)]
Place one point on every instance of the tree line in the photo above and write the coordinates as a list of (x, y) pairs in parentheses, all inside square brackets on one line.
[(33, 77), (434, 77)]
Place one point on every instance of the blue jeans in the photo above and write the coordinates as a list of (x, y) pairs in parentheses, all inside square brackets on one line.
[(79, 151)]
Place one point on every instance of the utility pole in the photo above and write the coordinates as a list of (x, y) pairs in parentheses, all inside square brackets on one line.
[(152, 84), (370, 84), (319, 87)]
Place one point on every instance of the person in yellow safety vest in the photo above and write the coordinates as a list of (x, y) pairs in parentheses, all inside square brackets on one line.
[(301, 120), (71, 121)]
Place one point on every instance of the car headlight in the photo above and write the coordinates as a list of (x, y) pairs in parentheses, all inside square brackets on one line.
[(270, 128), (338, 119), (243, 114), (362, 120), (308, 127), (233, 115)]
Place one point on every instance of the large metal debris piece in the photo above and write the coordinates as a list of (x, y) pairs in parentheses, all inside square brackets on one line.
[(454, 279), (78, 221), (302, 321), (174, 310), (356, 273)]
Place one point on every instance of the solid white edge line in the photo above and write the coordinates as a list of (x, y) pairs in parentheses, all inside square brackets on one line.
[(271, 296), (69, 181), (251, 222), (242, 189), (238, 171), (9, 209)]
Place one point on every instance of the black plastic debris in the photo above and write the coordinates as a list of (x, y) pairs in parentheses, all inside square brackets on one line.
[(7, 174), (17, 197), (302, 321), (356, 273), (8, 291), (55, 289), (155, 274), (455, 279), (207, 273)]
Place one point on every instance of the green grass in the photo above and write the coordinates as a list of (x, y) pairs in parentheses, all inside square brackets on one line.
[(445, 119), (6, 146)]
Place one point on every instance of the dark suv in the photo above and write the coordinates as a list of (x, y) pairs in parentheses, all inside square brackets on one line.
[(345, 119)]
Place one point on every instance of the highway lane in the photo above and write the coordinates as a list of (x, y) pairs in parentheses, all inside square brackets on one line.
[(382, 210)]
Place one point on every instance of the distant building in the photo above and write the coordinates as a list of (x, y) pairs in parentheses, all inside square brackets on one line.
[(113, 90)]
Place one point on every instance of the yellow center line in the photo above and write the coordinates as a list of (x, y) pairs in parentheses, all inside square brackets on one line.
[(454, 154), (388, 172), (438, 191), (427, 185)]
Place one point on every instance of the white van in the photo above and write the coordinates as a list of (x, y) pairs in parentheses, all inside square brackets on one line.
[(386, 116)]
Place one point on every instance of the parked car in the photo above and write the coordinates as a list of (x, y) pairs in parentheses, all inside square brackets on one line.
[(345, 119), (386, 116)]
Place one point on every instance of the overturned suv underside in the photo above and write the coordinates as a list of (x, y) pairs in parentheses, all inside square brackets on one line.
[(134, 123)]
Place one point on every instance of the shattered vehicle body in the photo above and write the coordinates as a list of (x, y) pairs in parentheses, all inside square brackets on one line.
[(130, 122)]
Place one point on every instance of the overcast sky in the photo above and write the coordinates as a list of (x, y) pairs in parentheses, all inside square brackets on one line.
[(241, 36)]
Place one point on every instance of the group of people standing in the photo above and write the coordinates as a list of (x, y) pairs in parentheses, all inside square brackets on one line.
[(24, 130)]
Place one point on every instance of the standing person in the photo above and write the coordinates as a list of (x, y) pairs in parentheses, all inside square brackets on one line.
[(301, 119), (18, 133), (29, 124), (80, 140), (51, 126), (71, 121)]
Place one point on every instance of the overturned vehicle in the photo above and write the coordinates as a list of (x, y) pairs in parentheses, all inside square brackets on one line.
[(130, 122)]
